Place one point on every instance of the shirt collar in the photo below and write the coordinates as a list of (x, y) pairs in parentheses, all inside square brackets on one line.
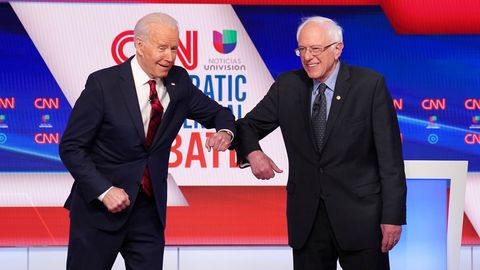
[(331, 81), (140, 77)]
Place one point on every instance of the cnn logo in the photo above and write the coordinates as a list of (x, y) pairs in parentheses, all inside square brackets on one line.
[(187, 51)]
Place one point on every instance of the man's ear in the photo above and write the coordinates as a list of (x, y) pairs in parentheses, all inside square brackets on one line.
[(338, 50), (139, 44)]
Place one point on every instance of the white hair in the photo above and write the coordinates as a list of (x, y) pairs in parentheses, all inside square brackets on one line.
[(143, 25), (334, 30)]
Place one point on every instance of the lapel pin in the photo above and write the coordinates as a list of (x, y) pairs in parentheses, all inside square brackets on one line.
[(338, 97), (172, 83)]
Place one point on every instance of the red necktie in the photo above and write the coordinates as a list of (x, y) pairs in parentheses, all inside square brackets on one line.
[(155, 119)]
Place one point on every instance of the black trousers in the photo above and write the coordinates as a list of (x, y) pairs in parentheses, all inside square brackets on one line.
[(322, 251), (141, 241)]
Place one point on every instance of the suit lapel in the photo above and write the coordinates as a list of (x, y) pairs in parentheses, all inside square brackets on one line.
[(305, 99), (339, 96), (127, 86)]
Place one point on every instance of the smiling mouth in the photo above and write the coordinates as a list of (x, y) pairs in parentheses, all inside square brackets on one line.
[(164, 66)]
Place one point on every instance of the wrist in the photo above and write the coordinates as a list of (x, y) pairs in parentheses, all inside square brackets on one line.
[(228, 132)]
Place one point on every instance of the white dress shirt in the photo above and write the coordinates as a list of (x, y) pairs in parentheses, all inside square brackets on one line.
[(143, 92)]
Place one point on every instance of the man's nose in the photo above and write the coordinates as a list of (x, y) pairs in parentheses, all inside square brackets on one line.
[(307, 55), (170, 55)]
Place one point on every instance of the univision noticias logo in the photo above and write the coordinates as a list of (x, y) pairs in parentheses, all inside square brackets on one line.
[(475, 122), (226, 41), (2, 121), (45, 122)]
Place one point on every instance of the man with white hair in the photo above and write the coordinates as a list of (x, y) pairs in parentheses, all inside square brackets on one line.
[(346, 190), (117, 145)]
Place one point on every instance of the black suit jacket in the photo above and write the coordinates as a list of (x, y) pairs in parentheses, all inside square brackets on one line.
[(103, 143), (359, 173)]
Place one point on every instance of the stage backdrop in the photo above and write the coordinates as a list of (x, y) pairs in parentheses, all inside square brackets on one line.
[(233, 53)]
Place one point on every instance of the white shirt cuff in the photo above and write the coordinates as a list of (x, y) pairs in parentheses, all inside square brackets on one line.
[(103, 194)]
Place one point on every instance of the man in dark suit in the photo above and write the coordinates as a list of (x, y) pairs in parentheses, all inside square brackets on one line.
[(117, 146), (346, 190)]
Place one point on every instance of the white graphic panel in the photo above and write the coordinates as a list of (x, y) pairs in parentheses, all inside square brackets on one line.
[(76, 39)]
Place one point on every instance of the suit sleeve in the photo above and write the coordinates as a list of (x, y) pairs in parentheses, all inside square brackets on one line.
[(78, 138), (208, 112), (389, 153), (258, 123)]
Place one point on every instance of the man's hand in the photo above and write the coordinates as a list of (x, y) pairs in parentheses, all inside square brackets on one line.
[(262, 166), (116, 200), (219, 141), (391, 235)]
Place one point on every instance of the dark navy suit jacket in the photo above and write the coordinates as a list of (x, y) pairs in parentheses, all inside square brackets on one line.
[(103, 143)]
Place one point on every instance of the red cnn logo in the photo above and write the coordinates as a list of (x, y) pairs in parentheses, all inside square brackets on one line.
[(471, 138), (398, 104), (6, 103), (187, 53), (118, 46), (46, 103), (47, 138), (434, 104), (472, 104)]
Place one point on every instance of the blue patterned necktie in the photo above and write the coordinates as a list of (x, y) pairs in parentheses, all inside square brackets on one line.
[(319, 116)]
